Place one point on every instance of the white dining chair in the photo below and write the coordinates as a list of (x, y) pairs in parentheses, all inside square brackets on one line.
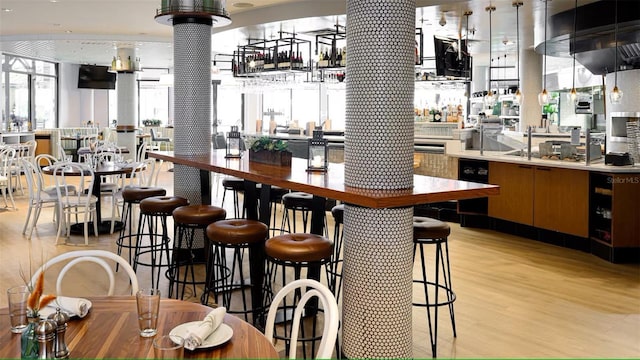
[(7, 155), (329, 306), (38, 198), (100, 257), (79, 203)]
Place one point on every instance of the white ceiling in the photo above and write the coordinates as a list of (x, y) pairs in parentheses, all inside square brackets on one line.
[(89, 31)]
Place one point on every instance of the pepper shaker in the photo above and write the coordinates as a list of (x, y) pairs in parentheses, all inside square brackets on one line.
[(60, 318), (45, 333)]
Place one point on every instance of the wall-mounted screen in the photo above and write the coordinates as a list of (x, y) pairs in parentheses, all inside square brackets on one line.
[(96, 77), (452, 58)]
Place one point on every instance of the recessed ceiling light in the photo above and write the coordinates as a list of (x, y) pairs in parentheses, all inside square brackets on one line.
[(68, 31), (53, 1), (242, 4), (6, 10)]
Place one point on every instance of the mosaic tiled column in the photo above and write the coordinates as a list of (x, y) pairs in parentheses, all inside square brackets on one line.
[(379, 156), (127, 103), (192, 96)]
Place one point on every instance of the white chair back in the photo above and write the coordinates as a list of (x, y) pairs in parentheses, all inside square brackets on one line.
[(329, 306), (7, 156), (95, 256), (79, 202)]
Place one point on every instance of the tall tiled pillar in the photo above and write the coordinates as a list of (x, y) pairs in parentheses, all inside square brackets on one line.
[(127, 102), (379, 156), (192, 100)]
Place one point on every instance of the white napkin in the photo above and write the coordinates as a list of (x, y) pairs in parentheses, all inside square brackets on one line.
[(71, 305), (197, 333)]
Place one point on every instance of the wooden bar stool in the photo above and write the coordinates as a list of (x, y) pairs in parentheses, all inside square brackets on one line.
[(154, 212), (131, 196), (295, 251), (237, 235), (189, 219), (427, 231)]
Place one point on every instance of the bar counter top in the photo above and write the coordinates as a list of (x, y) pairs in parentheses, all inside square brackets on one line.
[(426, 189), (500, 156)]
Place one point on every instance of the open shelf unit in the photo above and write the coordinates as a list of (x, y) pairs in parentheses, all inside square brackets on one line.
[(285, 54)]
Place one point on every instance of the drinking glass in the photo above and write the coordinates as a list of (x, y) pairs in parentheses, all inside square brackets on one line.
[(18, 296), (148, 301), (168, 347)]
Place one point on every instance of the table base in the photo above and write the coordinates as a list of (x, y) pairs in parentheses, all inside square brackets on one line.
[(104, 227)]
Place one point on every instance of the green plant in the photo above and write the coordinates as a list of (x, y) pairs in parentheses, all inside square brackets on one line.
[(151, 122), (266, 143)]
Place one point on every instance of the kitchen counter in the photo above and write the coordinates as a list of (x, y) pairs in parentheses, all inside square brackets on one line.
[(500, 156)]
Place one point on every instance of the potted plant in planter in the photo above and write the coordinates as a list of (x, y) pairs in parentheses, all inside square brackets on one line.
[(151, 122), (270, 151)]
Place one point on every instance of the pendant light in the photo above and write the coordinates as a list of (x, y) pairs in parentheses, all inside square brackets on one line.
[(518, 94), (573, 94), (543, 96), (490, 98), (616, 94)]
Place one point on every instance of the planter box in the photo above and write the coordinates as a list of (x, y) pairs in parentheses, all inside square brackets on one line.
[(280, 158)]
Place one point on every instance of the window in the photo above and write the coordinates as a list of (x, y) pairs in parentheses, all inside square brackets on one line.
[(30, 94)]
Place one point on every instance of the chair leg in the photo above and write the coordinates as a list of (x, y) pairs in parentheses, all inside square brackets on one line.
[(28, 220)]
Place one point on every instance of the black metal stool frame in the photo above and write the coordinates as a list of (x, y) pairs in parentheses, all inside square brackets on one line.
[(447, 287)]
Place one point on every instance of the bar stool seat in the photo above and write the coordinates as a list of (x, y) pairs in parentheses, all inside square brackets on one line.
[(295, 202), (135, 194), (238, 235), (187, 220), (428, 231), (299, 247), (236, 186), (162, 205), (132, 195), (296, 251), (154, 212)]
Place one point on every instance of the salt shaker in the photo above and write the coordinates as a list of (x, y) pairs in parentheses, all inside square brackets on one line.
[(60, 346), (45, 333)]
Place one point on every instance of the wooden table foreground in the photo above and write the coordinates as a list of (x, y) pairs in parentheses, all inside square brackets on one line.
[(110, 330)]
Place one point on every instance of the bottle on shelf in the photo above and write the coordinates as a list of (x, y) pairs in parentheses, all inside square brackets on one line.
[(113, 64)]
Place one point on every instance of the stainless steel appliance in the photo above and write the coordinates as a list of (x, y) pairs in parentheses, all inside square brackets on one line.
[(617, 139)]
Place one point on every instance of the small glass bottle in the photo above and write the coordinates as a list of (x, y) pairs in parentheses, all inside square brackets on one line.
[(28, 341)]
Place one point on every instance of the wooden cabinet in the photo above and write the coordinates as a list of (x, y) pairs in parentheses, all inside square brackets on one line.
[(614, 220), (561, 200), (515, 202), (548, 198)]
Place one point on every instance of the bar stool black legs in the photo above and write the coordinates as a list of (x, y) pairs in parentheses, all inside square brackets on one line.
[(438, 291), (189, 220)]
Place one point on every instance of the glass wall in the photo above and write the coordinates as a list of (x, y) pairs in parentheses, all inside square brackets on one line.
[(29, 94)]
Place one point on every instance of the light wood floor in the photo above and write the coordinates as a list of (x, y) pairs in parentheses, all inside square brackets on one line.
[(515, 297)]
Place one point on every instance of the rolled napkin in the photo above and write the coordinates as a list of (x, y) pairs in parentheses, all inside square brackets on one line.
[(197, 333), (71, 305)]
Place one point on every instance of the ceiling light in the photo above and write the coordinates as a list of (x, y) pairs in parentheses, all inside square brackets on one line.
[(543, 96), (6, 10), (242, 4), (616, 94), (443, 20), (490, 98), (518, 94), (573, 94)]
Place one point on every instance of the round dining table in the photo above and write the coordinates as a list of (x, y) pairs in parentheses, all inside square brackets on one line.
[(105, 169), (110, 330)]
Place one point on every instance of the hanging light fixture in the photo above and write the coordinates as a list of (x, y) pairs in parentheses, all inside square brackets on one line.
[(518, 94), (543, 96), (490, 98), (616, 94), (573, 94)]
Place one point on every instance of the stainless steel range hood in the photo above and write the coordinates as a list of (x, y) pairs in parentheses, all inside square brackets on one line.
[(594, 42)]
